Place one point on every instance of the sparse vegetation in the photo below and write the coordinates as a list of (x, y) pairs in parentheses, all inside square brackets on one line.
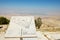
[(4, 20), (38, 22)]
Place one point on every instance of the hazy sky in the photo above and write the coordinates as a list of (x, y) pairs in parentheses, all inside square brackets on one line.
[(33, 7)]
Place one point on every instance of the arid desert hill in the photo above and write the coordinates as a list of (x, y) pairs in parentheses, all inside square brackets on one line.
[(51, 23), (54, 21)]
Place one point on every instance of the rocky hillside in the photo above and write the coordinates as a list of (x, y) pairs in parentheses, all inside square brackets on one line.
[(51, 23)]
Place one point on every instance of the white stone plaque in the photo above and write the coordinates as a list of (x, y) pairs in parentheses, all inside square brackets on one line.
[(21, 26)]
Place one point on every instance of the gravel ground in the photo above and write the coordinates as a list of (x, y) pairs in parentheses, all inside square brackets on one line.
[(40, 36)]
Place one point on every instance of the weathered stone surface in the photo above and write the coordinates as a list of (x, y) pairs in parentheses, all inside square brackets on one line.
[(21, 26)]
